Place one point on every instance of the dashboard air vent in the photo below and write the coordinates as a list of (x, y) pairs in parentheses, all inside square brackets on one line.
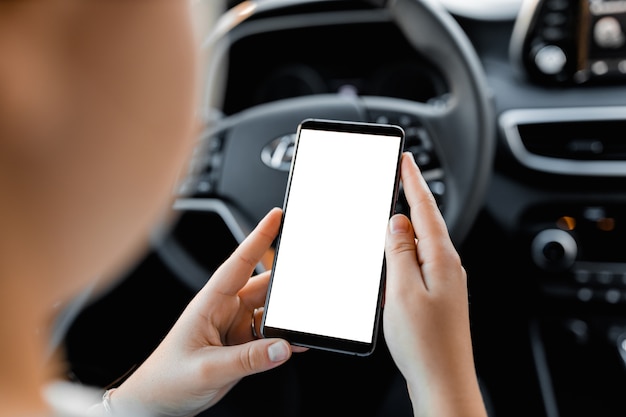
[(579, 140), (569, 141)]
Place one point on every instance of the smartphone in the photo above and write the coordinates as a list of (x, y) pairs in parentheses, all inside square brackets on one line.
[(327, 277)]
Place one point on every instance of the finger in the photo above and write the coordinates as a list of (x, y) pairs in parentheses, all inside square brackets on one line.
[(258, 316), (233, 274), (436, 251), (426, 218), (254, 292), (253, 357), (254, 330), (298, 349), (401, 255), (246, 325)]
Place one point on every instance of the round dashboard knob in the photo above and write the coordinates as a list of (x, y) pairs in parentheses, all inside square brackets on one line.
[(554, 249), (550, 59), (608, 33)]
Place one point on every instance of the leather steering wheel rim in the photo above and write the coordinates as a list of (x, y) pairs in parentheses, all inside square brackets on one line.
[(461, 128)]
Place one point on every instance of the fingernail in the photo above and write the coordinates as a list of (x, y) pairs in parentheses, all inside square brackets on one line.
[(278, 352), (399, 224)]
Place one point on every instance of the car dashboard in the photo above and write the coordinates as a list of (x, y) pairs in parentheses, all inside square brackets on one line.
[(555, 259), (371, 58), (545, 253)]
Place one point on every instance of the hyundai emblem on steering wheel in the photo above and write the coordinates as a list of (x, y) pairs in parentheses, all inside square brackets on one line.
[(278, 153)]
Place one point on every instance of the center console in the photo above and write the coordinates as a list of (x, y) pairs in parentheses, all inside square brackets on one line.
[(571, 230)]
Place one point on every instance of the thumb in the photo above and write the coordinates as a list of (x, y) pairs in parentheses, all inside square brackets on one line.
[(400, 253), (255, 356), (400, 244)]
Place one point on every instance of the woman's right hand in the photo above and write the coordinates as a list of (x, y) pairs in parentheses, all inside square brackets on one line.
[(426, 315)]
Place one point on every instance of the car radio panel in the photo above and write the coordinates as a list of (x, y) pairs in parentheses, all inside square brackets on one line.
[(578, 251)]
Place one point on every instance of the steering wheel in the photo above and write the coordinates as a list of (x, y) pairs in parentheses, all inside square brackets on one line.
[(241, 165)]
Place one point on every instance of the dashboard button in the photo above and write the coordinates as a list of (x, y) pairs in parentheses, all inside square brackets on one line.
[(550, 59)]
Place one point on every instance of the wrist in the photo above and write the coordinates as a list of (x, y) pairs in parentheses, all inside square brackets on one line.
[(116, 407)]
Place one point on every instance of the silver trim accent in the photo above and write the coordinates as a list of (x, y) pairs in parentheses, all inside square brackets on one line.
[(176, 257), (488, 10), (235, 227), (543, 370), (509, 120), (520, 30)]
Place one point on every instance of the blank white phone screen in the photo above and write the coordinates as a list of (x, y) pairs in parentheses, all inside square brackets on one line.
[(327, 272)]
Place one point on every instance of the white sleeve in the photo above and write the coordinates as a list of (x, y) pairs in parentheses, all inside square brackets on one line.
[(69, 399)]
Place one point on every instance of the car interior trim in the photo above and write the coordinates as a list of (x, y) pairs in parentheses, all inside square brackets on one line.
[(231, 28), (176, 257), (543, 374), (510, 120), (520, 30)]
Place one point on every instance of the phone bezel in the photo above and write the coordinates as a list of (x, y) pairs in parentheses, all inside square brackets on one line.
[(325, 342)]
